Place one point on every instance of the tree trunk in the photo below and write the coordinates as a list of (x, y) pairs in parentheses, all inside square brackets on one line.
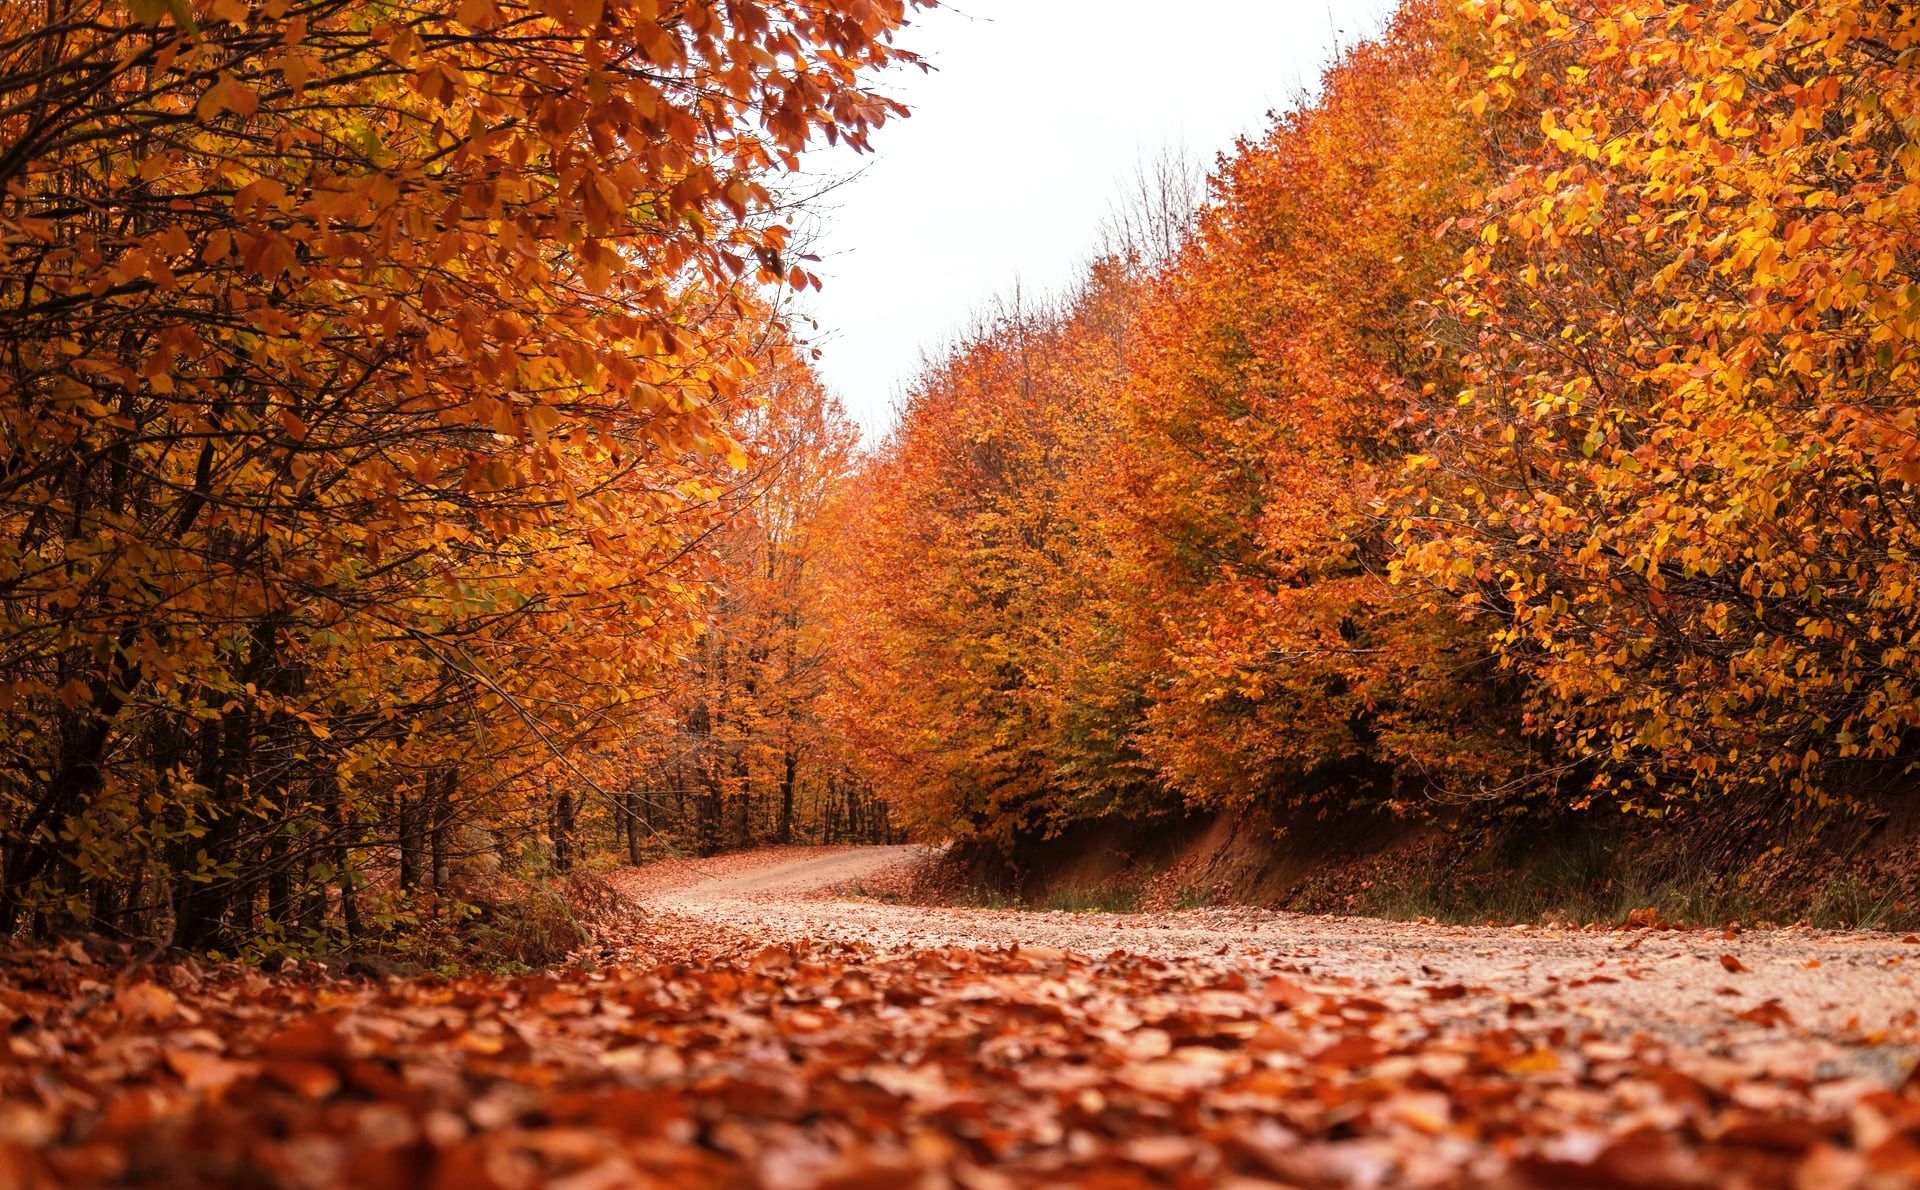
[(409, 832), (791, 764), (74, 784), (200, 906), (438, 840), (743, 832), (279, 881), (563, 809), (342, 857)]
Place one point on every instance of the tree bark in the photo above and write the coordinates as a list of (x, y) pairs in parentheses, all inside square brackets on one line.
[(789, 768), (563, 810), (410, 831), (440, 828)]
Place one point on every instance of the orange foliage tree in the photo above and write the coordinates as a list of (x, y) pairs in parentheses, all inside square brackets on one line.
[(1275, 368), (1134, 552), (368, 380), (966, 581), (745, 753), (1531, 411), (1680, 473)]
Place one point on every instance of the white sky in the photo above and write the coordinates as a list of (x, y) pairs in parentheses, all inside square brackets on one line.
[(1036, 115)]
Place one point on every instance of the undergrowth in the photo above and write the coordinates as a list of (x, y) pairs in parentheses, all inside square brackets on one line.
[(1102, 898), (1585, 883), (1106, 897), (1593, 878), (531, 919)]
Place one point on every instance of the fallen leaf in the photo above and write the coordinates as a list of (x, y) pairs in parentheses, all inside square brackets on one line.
[(146, 1002), (1767, 1014)]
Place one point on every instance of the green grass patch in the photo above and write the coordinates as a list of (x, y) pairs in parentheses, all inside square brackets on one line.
[(1105, 898)]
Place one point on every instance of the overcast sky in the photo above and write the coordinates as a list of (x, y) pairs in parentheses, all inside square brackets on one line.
[(1036, 115)]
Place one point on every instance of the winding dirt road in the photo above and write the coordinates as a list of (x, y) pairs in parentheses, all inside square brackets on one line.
[(742, 1023), (1843, 1005)]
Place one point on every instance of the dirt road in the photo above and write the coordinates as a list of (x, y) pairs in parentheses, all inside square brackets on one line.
[(738, 1023), (1204, 1046), (1786, 999)]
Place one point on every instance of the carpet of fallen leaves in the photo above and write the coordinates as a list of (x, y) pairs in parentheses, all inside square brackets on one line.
[(688, 1051)]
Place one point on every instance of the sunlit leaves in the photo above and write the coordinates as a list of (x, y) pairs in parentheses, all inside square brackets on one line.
[(1275, 374), (1688, 485)]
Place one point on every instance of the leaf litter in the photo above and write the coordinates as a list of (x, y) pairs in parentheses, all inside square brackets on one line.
[(706, 1054)]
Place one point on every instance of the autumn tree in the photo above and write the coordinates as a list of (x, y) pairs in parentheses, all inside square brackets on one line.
[(1679, 475), (748, 755), (1275, 365), (369, 376), (969, 581), (1133, 553)]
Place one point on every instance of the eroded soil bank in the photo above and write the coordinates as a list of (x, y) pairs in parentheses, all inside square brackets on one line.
[(1858, 868)]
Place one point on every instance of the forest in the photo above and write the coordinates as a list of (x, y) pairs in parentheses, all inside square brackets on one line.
[(410, 465), (405, 462), (431, 556), (1519, 425)]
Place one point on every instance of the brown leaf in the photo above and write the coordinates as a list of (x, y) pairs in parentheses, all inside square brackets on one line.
[(205, 1071), (308, 1079), (772, 959), (146, 1002), (1285, 992), (1767, 1014)]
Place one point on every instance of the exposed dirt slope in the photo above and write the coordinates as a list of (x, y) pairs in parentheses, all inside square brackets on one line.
[(1847, 867)]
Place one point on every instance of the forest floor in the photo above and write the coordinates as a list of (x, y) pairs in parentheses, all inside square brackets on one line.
[(743, 1022)]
